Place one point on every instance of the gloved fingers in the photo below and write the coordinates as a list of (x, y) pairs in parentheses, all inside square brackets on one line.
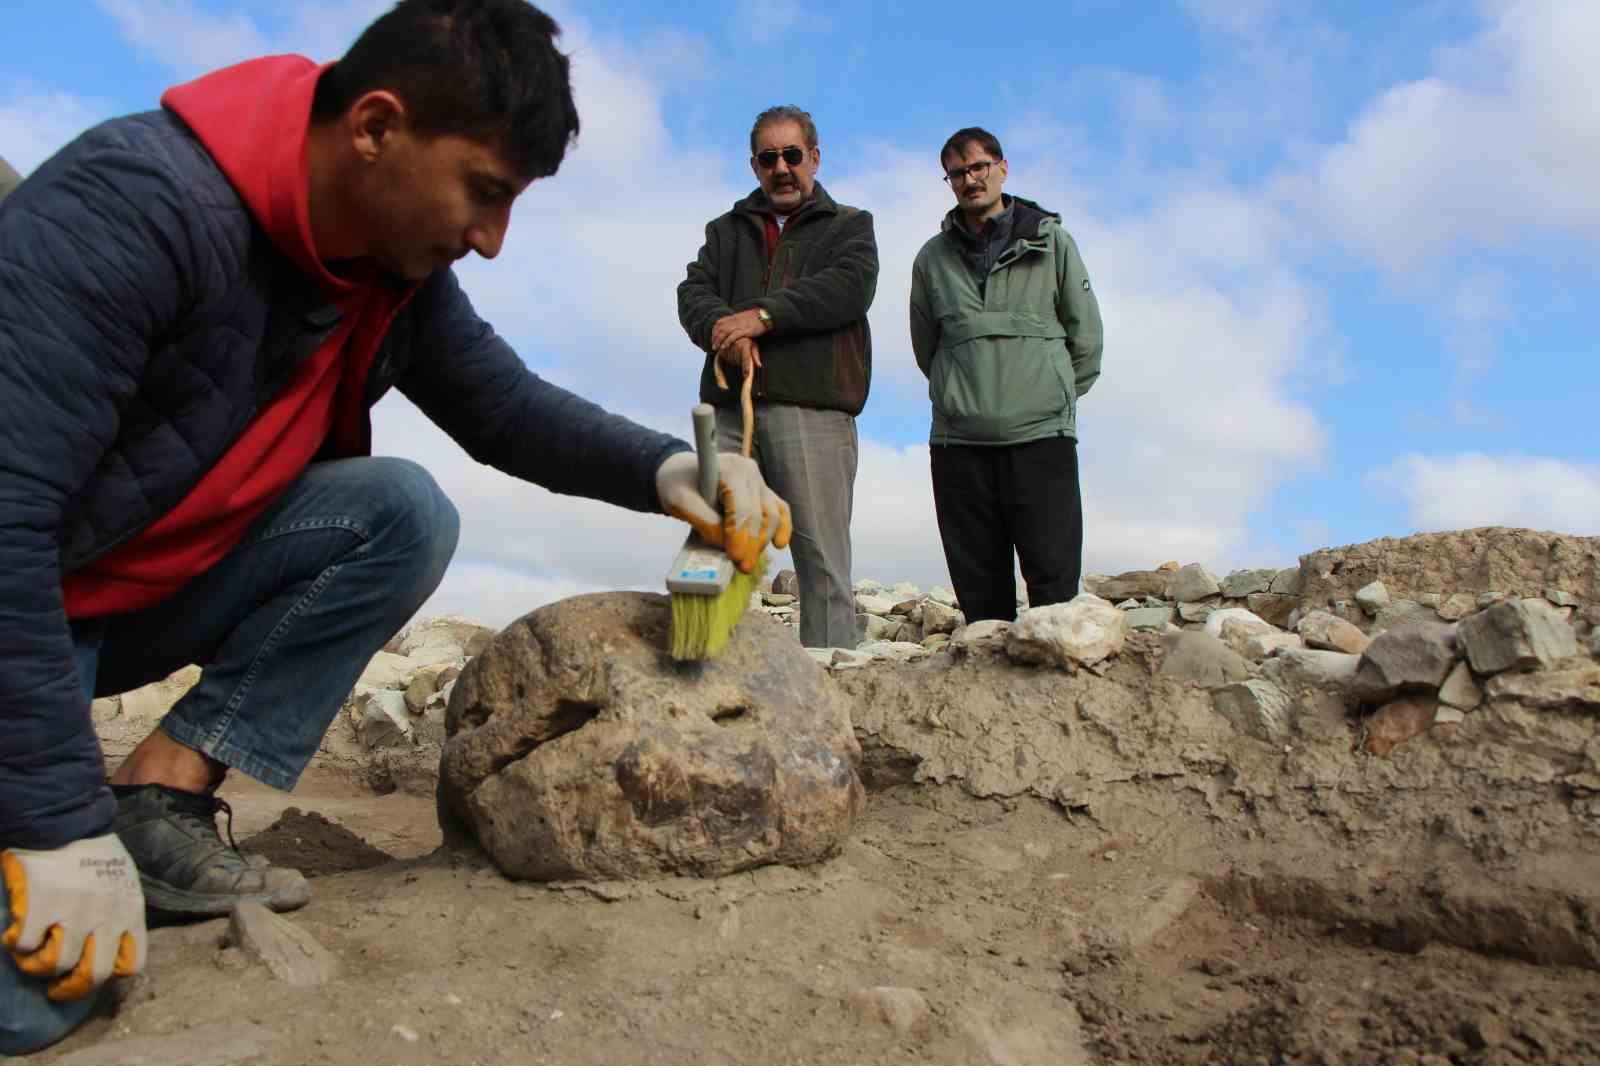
[(16, 879), (130, 955), (700, 516), (94, 966), (47, 961), (784, 525)]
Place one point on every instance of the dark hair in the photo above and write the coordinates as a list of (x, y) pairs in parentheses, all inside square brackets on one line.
[(960, 139), (487, 70), (785, 113)]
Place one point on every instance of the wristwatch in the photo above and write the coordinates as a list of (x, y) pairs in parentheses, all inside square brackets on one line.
[(766, 319)]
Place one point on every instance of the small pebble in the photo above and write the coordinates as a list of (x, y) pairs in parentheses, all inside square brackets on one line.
[(408, 1035)]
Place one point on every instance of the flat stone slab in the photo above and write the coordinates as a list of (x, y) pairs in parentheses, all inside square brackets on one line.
[(578, 750), (290, 953)]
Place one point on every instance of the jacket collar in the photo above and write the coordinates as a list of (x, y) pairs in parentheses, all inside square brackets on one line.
[(758, 204), (1026, 219)]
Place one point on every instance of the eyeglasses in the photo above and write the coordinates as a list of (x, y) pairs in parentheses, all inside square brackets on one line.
[(962, 175), (793, 154)]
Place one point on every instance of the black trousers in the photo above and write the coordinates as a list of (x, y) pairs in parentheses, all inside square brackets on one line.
[(991, 501)]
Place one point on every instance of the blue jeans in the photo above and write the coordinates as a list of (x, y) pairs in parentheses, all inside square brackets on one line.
[(282, 628)]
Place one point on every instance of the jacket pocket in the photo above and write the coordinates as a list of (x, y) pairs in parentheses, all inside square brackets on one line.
[(1002, 384)]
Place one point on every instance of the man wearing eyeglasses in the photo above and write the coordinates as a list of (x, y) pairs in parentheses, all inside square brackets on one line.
[(1006, 328), (780, 291)]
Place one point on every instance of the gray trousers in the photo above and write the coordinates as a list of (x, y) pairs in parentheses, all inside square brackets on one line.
[(809, 458)]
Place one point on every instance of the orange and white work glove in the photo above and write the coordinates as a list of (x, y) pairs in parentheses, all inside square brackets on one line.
[(76, 915), (752, 514)]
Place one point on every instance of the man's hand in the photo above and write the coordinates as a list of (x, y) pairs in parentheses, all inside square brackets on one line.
[(76, 914), (736, 327), (752, 514), (743, 355)]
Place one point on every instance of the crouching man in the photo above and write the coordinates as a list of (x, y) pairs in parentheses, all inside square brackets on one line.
[(198, 307)]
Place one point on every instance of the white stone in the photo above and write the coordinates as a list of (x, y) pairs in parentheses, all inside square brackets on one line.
[(1257, 707), (1264, 645), (1314, 668), (381, 719), (876, 603), (289, 952), (1191, 583), (1460, 690), (976, 632), (442, 639), (1195, 612), (1084, 630), (389, 670), (1449, 716), (1373, 597), (940, 594), (1561, 598), (937, 618), (151, 702), (897, 650), (1241, 583), (1150, 618), (1286, 582), (905, 590), (848, 659), (869, 587), (877, 627), (1223, 615)]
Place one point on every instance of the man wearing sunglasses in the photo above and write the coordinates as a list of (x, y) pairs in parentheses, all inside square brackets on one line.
[(780, 291), (1006, 327)]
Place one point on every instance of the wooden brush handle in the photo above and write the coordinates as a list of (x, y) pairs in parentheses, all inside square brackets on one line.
[(748, 406)]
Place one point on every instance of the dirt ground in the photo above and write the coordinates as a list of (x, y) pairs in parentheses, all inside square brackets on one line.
[(1032, 936), (1060, 869)]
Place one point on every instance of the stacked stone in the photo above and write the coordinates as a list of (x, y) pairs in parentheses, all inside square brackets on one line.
[(1413, 675), (400, 699)]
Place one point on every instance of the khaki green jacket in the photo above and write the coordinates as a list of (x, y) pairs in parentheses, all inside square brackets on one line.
[(1006, 365)]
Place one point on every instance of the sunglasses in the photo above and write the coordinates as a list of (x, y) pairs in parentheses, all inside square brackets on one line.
[(768, 158)]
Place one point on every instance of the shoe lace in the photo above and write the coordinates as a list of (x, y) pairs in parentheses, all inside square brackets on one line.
[(220, 804)]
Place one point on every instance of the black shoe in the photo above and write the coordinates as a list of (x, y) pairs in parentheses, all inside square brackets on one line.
[(184, 867)]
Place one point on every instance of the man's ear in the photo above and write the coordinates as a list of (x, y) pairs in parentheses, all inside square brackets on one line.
[(372, 120)]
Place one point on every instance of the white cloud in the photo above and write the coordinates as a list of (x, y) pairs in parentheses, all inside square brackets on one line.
[(1462, 491), (35, 125), (180, 35), (764, 21), (1504, 141)]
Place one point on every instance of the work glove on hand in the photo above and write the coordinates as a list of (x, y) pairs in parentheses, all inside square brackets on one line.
[(76, 914), (752, 514)]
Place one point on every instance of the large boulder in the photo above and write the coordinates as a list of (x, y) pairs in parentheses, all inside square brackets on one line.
[(577, 749)]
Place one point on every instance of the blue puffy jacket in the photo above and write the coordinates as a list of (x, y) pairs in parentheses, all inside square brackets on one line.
[(144, 319)]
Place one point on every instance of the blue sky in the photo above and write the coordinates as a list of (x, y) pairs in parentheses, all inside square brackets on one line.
[(1346, 253)]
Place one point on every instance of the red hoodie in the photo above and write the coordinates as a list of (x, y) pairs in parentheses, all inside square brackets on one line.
[(253, 120)]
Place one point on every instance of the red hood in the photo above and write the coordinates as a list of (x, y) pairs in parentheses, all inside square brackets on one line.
[(253, 118)]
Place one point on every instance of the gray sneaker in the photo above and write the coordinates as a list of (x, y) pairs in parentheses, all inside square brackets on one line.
[(184, 867)]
